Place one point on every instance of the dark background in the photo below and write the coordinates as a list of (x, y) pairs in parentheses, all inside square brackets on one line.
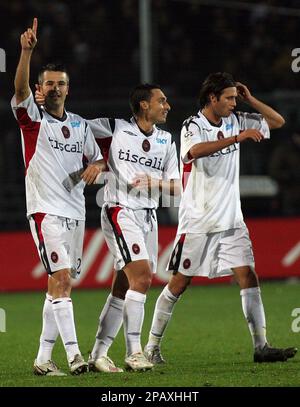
[(99, 43)]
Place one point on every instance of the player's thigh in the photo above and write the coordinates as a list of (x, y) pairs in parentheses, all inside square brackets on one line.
[(235, 249), (76, 246), (151, 241), (194, 254), (50, 236), (124, 237)]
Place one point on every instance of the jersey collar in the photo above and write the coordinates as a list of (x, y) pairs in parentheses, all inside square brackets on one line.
[(133, 121), (61, 119), (211, 123)]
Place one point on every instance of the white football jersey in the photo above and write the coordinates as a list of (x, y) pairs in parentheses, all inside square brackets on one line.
[(53, 151), (211, 197), (130, 152)]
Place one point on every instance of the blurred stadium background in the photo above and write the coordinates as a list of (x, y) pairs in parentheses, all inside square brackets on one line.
[(109, 46), (108, 50)]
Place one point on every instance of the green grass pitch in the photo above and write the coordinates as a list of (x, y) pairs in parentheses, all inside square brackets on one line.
[(207, 342)]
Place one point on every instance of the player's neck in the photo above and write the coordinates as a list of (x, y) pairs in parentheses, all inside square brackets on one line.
[(145, 126), (58, 112), (211, 116)]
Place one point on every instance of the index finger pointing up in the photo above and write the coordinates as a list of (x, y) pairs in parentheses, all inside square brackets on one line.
[(35, 25)]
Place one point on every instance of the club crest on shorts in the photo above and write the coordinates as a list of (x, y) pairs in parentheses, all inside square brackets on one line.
[(136, 248), (146, 145), (187, 264), (65, 131), (54, 257)]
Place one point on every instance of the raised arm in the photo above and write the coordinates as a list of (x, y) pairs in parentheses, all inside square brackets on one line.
[(28, 41), (273, 118)]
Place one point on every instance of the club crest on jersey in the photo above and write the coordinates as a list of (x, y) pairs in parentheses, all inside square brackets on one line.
[(146, 145), (220, 135), (65, 131)]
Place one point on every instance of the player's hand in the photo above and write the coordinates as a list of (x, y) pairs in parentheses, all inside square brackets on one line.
[(28, 38), (252, 134), (244, 93), (39, 97), (91, 173), (144, 181)]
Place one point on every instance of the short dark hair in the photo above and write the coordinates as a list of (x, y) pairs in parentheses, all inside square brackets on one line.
[(139, 93), (54, 67), (215, 83)]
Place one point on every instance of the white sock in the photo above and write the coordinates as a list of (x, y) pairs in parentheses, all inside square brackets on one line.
[(64, 316), (49, 332), (255, 315), (110, 322), (133, 317), (162, 314)]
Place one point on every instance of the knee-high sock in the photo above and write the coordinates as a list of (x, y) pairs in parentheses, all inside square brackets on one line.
[(64, 316), (49, 332), (255, 315), (110, 322), (162, 314), (133, 317)]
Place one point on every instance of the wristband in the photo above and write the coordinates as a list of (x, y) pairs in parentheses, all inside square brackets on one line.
[(235, 138)]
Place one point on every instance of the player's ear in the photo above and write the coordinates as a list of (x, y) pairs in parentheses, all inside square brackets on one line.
[(144, 105), (67, 90), (212, 98)]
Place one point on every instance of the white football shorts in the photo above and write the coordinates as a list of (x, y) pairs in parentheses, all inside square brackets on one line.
[(130, 234), (59, 242), (211, 254)]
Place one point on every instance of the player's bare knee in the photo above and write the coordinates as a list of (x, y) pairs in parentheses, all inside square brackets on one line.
[(62, 283), (180, 289), (178, 284), (246, 277), (252, 278), (145, 282), (141, 284)]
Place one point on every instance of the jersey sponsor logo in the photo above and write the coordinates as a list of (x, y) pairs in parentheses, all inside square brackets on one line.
[(161, 140), (75, 123), (65, 131), (154, 162), (69, 148), (146, 145), (130, 133), (225, 151), (229, 126)]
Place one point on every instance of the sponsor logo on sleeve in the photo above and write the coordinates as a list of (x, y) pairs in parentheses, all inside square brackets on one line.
[(188, 134)]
